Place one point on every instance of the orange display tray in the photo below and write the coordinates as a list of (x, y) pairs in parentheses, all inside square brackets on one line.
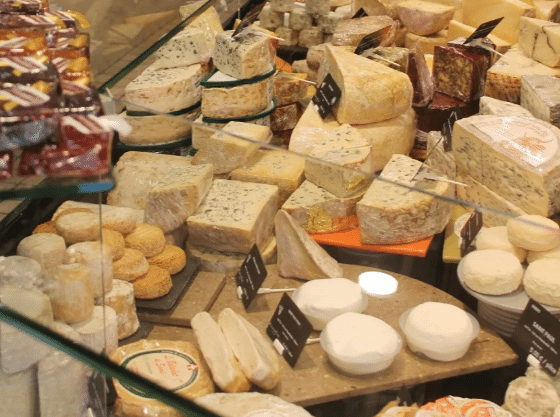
[(351, 239)]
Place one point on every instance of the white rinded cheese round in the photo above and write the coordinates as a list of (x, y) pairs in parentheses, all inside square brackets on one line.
[(250, 404), (46, 248), (491, 271), (321, 300), (121, 299), (531, 397), (542, 281), (533, 256), (360, 344), (497, 238), (532, 236), (99, 331), (21, 271)]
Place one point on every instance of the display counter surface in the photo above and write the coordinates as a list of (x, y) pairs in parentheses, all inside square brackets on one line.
[(314, 380)]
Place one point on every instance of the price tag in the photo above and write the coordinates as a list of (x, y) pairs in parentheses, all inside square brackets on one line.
[(538, 333), (289, 330), (249, 19), (373, 40), (326, 96), (470, 230), (447, 129), (360, 13), (404, 398), (250, 276), (483, 30)]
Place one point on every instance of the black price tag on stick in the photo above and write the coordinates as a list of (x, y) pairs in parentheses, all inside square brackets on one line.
[(360, 13), (249, 19), (373, 40), (470, 230), (538, 333), (250, 277), (446, 133), (326, 96), (483, 30), (289, 330)]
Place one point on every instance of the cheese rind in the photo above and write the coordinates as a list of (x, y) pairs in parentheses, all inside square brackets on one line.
[(147, 129), (98, 259), (288, 36), (424, 18), (289, 88), (439, 160), (426, 43), (310, 37), (300, 19), (317, 7), (121, 299), (494, 107), (351, 31), (540, 40), (21, 271), (269, 18), (328, 23), (539, 95)]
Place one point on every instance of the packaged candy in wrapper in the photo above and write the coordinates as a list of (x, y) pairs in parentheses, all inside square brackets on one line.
[(23, 6), (31, 21), (71, 19), (28, 70), (22, 42), (80, 99), (72, 65), (72, 40)]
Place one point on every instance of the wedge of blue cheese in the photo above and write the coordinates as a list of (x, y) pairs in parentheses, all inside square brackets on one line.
[(165, 90), (540, 94), (245, 56), (208, 21), (319, 211), (392, 214), (185, 48), (234, 216)]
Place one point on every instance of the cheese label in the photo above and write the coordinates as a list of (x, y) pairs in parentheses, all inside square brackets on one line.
[(360, 13), (521, 139), (327, 96), (167, 368), (373, 40), (250, 276), (470, 230), (483, 30)]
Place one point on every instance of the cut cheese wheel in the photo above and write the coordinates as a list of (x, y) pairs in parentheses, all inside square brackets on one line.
[(18, 350), (497, 238), (258, 360), (21, 271), (19, 393), (99, 331), (98, 259), (298, 255), (174, 365), (121, 299), (533, 232), (225, 368), (251, 404), (46, 248), (541, 281)]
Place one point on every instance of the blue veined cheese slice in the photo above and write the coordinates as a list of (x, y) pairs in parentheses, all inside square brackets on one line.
[(439, 160), (392, 214), (188, 47), (245, 56), (208, 21), (540, 40), (518, 158), (165, 90), (234, 216)]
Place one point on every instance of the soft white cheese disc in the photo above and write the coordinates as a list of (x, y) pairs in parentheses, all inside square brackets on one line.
[(526, 232), (322, 300), (542, 281), (497, 238)]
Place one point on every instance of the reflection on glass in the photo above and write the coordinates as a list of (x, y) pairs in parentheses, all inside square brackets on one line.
[(378, 284)]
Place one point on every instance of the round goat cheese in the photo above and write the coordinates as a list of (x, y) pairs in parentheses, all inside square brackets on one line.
[(542, 281), (497, 238), (526, 232)]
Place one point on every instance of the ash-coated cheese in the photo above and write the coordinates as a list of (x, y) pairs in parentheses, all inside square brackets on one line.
[(351, 31), (285, 170), (282, 5), (319, 211), (165, 90), (439, 160), (328, 23), (426, 43), (234, 216), (185, 48), (318, 7), (289, 88), (371, 92), (310, 37), (288, 36), (226, 152), (540, 40), (269, 18), (391, 214), (503, 79), (540, 95), (285, 117), (121, 299), (299, 256), (19, 393), (245, 56), (300, 19), (424, 18), (518, 158), (229, 102), (494, 107)]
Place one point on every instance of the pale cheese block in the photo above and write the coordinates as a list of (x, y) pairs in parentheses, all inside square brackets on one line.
[(533, 232), (391, 214), (300, 66), (317, 7), (250, 404), (273, 167), (541, 283), (536, 255), (19, 393), (426, 43), (316, 53), (351, 31), (201, 132), (288, 36), (22, 272), (234, 216), (269, 18), (121, 299), (243, 57), (99, 331), (491, 271), (503, 79), (531, 397), (167, 187), (540, 40), (497, 238), (228, 149), (174, 365), (539, 95), (319, 211), (547, 10), (98, 259), (527, 149), (328, 23), (372, 8), (289, 88), (70, 290), (310, 130), (477, 12), (165, 90), (225, 369), (424, 18), (235, 101), (299, 19), (228, 262), (439, 160), (185, 48), (494, 107), (47, 249), (371, 92), (310, 37), (18, 350), (208, 21), (258, 360), (299, 256), (457, 29)]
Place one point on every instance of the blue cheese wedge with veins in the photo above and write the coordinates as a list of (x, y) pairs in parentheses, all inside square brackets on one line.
[(185, 48), (244, 56)]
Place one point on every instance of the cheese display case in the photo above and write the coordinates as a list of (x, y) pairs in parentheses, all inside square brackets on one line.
[(219, 155)]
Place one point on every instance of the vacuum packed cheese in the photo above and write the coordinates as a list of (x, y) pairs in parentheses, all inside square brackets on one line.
[(424, 18), (518, 158), (185, 48), (371, 92), (392, 214), (539, 95), (540, 40), (234, 216), (299, 256), (245, 56), (99, 331)]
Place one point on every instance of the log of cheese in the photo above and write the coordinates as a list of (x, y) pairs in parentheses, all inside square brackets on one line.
[(98, 258), (121, 299)]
